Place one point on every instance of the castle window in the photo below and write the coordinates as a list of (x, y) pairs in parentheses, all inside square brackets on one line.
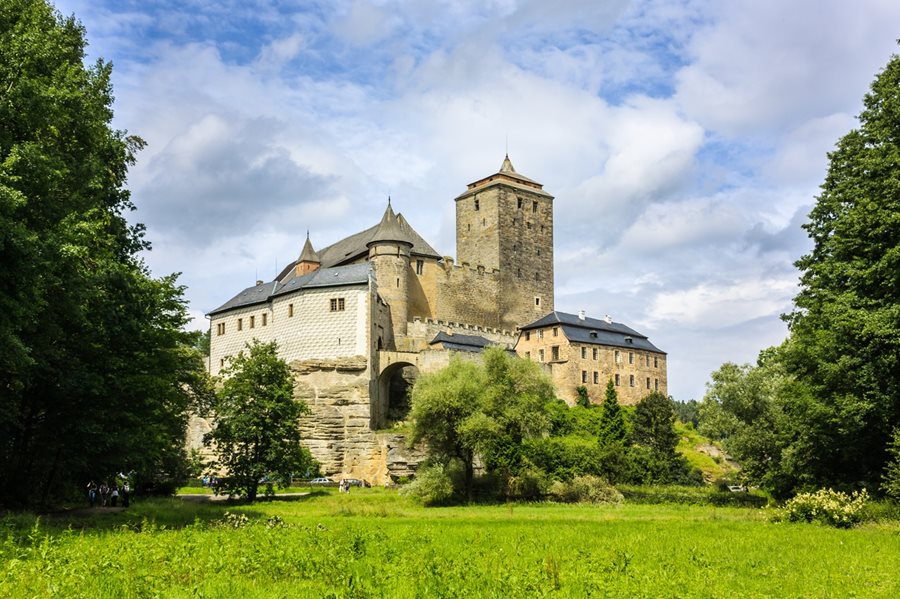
[(618, 357), (337, 304), (534, 206), (477, 205), (539, 251), (583, 353), (541, 334), (648, 382), (240, 324), (537, 276), (655, 362), (519, 272), (220, 328), (528, 226), (537, 301), (596, 377), (554, 353), (656, 384), (527, 335), (398, 282), (540, 355), (519, 203), (595, 353), (584, 376), (222, 363), (556, 331), (290, 310), (631, 380), (648, 361), (617, 380), (469, 227), (631, 357), (253, 322), (542, 228), (265, 319), (420, 266)]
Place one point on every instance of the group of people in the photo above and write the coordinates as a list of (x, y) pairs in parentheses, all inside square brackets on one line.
[(344, 486), (108, 496)]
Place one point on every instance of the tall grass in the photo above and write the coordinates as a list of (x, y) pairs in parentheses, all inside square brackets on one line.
[(373, 543)]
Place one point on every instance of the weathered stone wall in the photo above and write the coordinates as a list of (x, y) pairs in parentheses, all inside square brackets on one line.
[(639, 371), (427, 329), (423, 287), (390, 261)]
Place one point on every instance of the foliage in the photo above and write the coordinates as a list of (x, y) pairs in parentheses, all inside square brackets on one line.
[(688, 412), (96, 375), (691, 495), (613, 427), (891, 483), (376, 543), (586, 489), (487, 410), (825, 506), (433, 485), (256, 435), (653, 424), (583, 400)]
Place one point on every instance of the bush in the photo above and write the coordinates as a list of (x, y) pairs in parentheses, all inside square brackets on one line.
[(825, 506), (586, 489), (529, 484), (432, 486), (691, 495)]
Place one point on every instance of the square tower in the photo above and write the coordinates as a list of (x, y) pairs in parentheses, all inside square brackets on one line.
[(505, 222)]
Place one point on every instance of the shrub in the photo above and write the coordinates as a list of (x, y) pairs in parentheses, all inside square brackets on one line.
[(530, 483), (586, 489), (432, 486), (825, 506)]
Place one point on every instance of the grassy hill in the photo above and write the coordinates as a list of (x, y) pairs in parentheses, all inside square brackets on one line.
[(704, 454)]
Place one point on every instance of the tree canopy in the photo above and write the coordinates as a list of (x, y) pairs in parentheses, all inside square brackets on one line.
[(256, 434), (96, 375)]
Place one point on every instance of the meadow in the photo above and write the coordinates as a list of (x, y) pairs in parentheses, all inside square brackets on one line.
[(375, 543)]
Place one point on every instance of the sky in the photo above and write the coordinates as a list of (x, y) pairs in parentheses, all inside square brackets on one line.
[(684, 140)]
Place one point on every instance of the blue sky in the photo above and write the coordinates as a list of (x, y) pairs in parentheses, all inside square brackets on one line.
[(684, 140)]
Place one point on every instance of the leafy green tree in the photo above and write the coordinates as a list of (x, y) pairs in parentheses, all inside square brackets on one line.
[(613, 426), (845, 328), (96, 375), (486, 410), (891, 478), (653, 424), (583, 400), (256, 434)]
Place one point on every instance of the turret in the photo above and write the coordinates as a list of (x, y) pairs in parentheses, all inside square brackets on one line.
[(308, 260), (389, 254)]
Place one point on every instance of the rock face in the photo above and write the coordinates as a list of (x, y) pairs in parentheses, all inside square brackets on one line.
[(337, 430)]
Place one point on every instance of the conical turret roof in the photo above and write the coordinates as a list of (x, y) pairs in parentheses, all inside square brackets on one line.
[(507, 166), (391, 228), (308, 254)]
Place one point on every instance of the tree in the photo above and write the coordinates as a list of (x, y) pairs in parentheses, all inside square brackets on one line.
[(891, 478), (96, 375), (654, 457), (256, 434), (845, 328), (486, 410), (614, 429)]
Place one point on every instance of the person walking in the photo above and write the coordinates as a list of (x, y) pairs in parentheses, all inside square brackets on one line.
[(125, 493), (114, 496), (104, 493), (92, 493)]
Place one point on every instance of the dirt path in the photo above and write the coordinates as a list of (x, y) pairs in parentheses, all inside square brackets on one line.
[(87, 511)]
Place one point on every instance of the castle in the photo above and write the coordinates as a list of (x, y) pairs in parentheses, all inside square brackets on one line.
[(357, 320)]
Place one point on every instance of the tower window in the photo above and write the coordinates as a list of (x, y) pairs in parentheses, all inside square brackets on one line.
[(595, 353), (483, 222), (596, 377), (537, 301), (655, 362), (398, 281), (253, 322), (527, 335), (618, 357), (583, 353), (290, 310), (648, 382), (631, 380), (337, 304), (617, 380), (656, 384), (469, 227), (554, 353), (519, 203), (631, 357), (539, 251), (534, 206), (265, 318), (420, 266), (584, 376), (240, 324), (477, 205), (537, 276)]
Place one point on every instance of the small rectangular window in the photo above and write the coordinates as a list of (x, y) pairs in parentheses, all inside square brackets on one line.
[(556, 331), (537, 300), (595, 353), (290, 310), (420, 266), (253, 322), (631, 357), (554, 353), (583, 353), (631, 380), (618, 358), (648, 382), (655, 362), (534, 206), (647, 360), (222, 363), (541, 334), (477, 205), (240, 324), (656, 384), (540, 355), (584, 376), (596, 377), (337, 304), (617, 380), (265, 318), (527, 335)]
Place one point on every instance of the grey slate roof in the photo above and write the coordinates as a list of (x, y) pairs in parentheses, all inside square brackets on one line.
[(390, 229), (352, 247), (354, 274), (470, 343), (594, 331), (308, 254), (507, 176)]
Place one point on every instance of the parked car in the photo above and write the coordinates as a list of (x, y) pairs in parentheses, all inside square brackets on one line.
[(322, 481), (355, 482)]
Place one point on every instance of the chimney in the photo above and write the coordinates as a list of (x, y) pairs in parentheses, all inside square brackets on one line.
[(608, 319), (259, 282), (581, 315)]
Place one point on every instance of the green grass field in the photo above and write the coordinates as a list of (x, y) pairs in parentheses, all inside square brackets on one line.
[(374, 543)]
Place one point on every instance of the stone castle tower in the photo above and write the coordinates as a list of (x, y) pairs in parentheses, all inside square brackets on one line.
[(505, 222), (389, 253)]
